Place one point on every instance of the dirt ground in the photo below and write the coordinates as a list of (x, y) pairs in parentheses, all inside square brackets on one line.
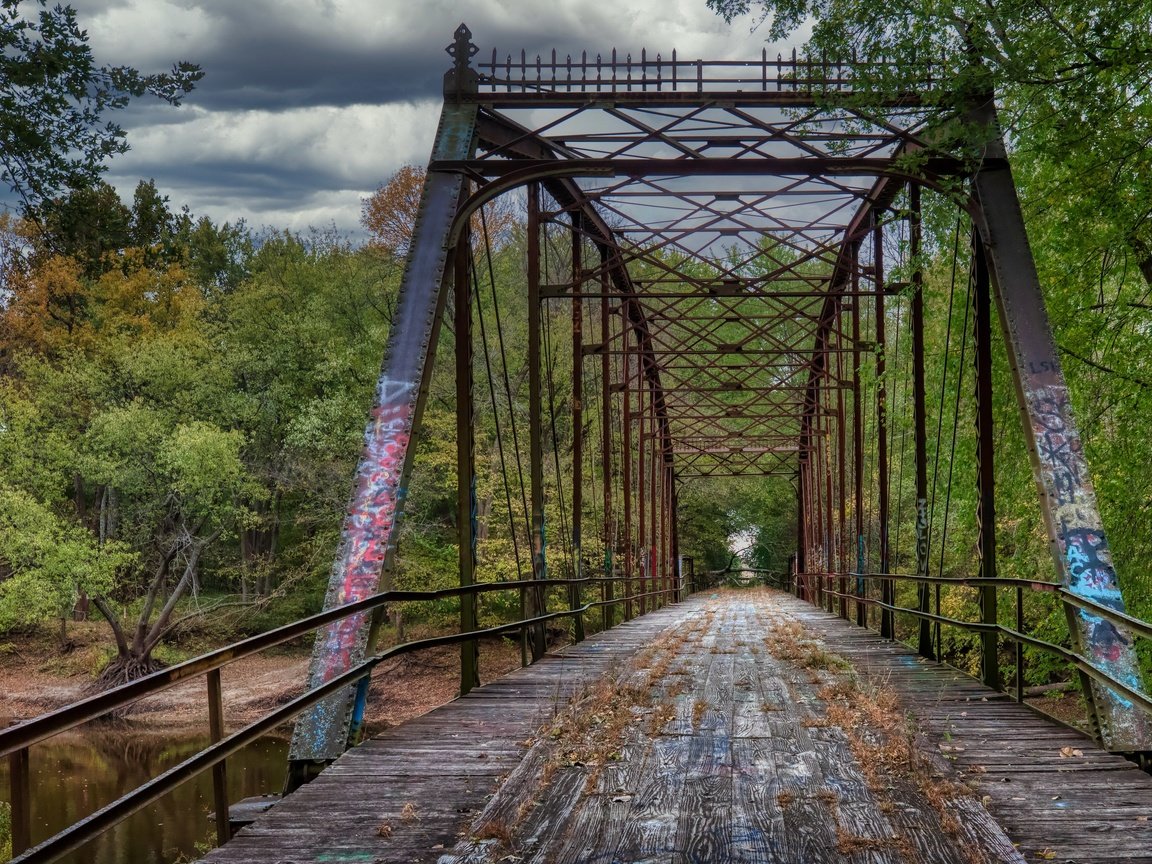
[(35, 677)]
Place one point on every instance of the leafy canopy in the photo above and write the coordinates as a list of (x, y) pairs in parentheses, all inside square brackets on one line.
[(54, 134)]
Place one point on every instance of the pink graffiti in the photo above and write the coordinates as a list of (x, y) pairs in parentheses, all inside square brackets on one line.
[(371, 520)]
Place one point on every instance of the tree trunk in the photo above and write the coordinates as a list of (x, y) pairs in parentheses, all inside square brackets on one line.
[(136, 660)]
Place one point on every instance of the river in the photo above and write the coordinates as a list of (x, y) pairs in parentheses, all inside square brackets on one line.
[(77, 773)]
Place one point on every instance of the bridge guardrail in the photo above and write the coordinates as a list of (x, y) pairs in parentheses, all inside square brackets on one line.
[(1084, 666), (16, 740)]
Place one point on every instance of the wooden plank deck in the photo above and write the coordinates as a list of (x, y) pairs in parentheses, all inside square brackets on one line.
[(726, 728)]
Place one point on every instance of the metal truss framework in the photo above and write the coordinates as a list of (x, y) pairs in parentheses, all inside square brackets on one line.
[(728, 221)]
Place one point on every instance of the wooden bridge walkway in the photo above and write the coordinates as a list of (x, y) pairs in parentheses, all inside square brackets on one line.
[(737, 726)]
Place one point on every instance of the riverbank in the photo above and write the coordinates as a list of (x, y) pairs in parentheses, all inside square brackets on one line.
[(36, 677)]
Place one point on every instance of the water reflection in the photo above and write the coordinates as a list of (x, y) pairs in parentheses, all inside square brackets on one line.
[(75, 774)]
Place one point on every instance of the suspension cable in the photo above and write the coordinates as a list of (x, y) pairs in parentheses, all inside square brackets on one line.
[(495, 412), (507, 381)]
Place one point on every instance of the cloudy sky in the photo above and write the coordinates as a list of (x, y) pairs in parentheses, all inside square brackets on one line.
[(308, 105)]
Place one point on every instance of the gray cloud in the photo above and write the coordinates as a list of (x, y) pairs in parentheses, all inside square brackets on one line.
[(307, 105)]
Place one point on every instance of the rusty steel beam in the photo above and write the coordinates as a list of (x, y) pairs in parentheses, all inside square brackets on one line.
[(538, 598), (887, 589), (666, 99), (985, 464), (800, 166), (609, 610), (1077, 540), (577, 264), (367, 543), (920, 421), (466, 514)]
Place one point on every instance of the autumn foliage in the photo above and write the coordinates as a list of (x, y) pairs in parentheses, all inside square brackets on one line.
[(389, 214)]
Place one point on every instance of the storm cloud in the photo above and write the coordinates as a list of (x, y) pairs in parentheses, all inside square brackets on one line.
[(308, 105)]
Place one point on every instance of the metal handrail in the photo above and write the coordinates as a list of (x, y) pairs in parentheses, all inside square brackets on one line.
[(1143, 628), (46, 725), (15, 741), (1082, 663)]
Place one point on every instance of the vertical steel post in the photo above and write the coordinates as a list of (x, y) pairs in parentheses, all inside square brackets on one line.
[(842, 462), (858, 436), (985, 465), (219, 770), (641, 490), (574, 589), (608, 611), (826, 584), (20, 788), (665, 534), (626, 468), (465, 459), (535, 423), (653, 527), (801, 525), (1076, 535), (815, 500), (675, 532), (886, 587), (919, 419)]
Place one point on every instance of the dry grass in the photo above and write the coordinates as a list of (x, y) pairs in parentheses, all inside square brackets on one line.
[(496, 830), (884, 741), (849, 844), (791, 641), (698, 709)]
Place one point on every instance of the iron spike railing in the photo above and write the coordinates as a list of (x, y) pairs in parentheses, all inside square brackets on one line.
[(787, 73)]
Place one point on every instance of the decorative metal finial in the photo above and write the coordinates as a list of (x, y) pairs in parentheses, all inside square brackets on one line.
[(461, 78)]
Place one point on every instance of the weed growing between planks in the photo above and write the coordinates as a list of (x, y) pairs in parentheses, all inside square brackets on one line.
[(885, 743), (880, 735)]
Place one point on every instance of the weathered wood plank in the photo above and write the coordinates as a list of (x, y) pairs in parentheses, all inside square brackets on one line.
[(743, 767)]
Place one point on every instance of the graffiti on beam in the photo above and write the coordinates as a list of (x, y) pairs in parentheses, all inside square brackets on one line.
[(368, 527), (921, 536), (1083, 546)]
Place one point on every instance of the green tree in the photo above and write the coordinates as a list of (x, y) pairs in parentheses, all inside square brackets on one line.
[(1072, 79), (54, 101)]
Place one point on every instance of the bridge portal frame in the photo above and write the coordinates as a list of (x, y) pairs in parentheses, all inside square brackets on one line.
[(647, 151)]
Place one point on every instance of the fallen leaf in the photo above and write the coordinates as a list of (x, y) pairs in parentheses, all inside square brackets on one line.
[(1069, 752), (1046, 854)]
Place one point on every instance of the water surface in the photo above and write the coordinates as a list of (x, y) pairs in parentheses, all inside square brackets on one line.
[(77, 773)]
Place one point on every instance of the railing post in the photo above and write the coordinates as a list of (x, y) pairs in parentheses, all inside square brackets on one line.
[(1019, 644), (219, 770), (574, 589), (887, 592), (20, 789), (537, 605), (465, 458), (919, 420)]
